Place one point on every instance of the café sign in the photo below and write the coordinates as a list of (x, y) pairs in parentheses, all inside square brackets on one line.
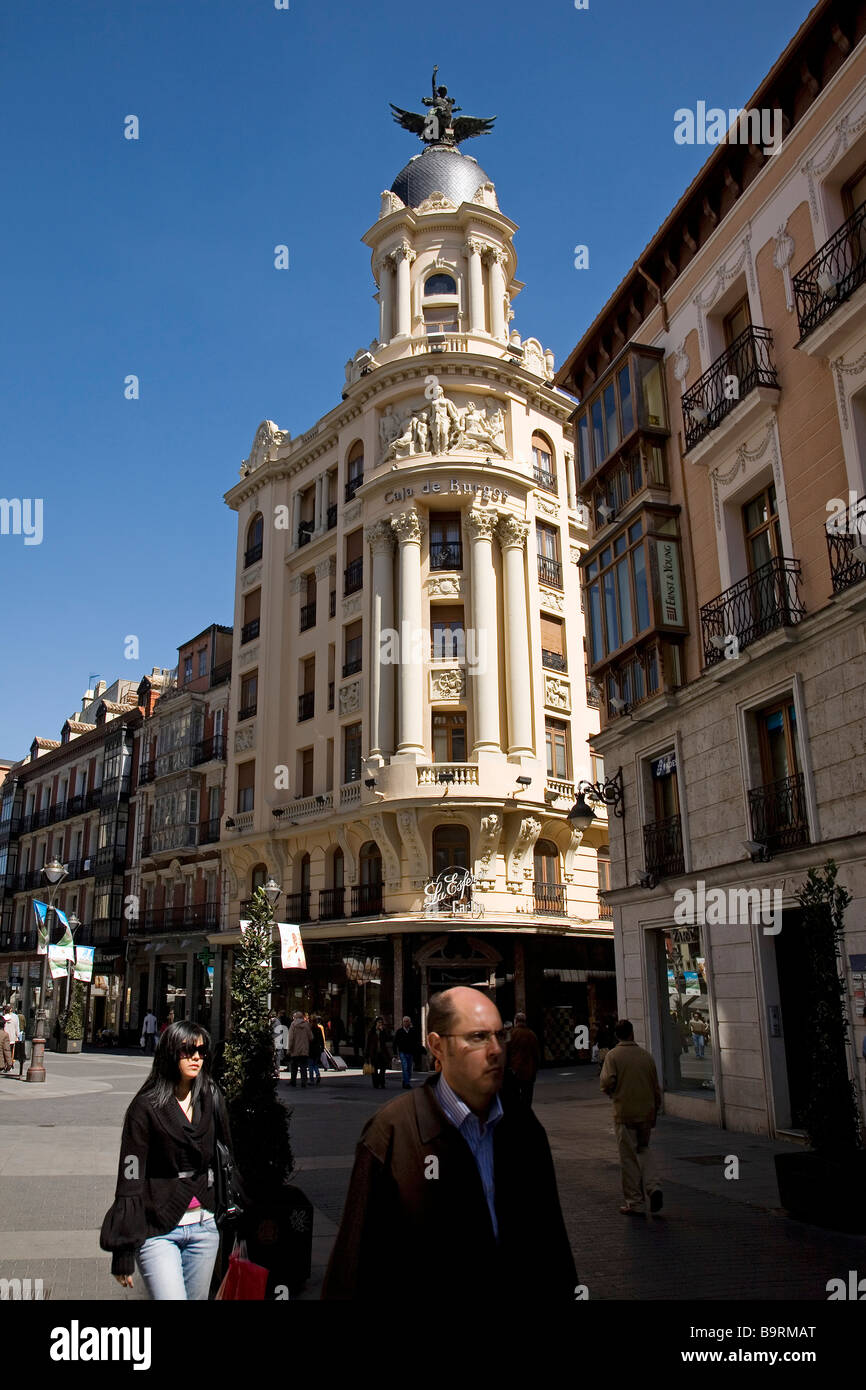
[(450, 893)]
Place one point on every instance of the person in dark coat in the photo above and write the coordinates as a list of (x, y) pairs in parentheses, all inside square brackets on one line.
[(378, 1052), (407, 1044), (452, 1186), (521, 1061)]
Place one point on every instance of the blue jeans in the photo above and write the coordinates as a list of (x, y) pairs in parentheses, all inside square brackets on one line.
[(406, 1064), (314, 1068), (179, 1265), (699, 1044)]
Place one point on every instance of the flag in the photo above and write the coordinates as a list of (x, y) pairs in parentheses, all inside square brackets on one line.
[(58, 963), (293, 957), (83, 963), (41, 911), (65, 945)]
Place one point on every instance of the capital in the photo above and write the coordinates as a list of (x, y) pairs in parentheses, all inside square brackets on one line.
[(493, 256), (403, 252), (474, 247), (512, 531), (380, 537), (480, 525), (409, 527)]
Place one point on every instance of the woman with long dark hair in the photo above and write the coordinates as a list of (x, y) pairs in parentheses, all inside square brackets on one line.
[(163, 1212)]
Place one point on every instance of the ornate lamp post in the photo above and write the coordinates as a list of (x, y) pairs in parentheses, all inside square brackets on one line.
[(55, 873), (272, 891), (610, 792)]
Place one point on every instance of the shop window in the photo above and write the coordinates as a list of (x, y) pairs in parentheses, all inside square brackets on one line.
[(688, 1045)]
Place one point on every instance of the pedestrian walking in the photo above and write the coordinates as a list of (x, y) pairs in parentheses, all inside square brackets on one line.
[(336, 1034), (629, 1076), (163, 1212), (378, 1052), (278, 1033), (8, 1037), (407, 1044), (317, 1047), (148, 1032), (453, 1186), (300, 1037), (700, 1031), (522, 1057), (15, 1028)]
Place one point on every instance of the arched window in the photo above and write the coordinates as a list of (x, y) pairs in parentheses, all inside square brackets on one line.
[(371, 863), (450, 847), (337, 868), (304, 874), (549, 893), (354, 469), (543, 465), (441, 304), (258, 878), (255, 537), (332, 900), (367, 897)]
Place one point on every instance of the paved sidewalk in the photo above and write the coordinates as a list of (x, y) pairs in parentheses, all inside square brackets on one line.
[(716, 1238)]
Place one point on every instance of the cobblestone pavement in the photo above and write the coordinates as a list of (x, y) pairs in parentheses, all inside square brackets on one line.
[(716, 1238)]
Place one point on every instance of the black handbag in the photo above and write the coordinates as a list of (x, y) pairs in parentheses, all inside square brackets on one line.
[(230, 1196)]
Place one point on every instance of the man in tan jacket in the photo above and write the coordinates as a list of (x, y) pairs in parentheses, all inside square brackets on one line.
[(629, 1076)]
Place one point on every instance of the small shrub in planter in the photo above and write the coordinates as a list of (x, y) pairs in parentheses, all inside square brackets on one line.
[(72, 1022), (826, 1184)]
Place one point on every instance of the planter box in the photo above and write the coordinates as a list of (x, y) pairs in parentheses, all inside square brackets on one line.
[(826, 1191), (69, 1044)]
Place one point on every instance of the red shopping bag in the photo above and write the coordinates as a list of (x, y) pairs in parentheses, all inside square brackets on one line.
[(243, 1279)]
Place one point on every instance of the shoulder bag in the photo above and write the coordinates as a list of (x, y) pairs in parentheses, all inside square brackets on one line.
[(230, 1196)]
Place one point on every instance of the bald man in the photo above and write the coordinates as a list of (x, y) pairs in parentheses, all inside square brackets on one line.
[(453, 1188)]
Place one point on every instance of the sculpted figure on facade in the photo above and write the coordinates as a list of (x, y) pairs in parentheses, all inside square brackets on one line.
[(441, 427), (491, 831), (529, 831), (268, 439)]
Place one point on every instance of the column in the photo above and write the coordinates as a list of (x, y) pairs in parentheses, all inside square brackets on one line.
[(495, 261), (409, 528), (403, 258), (380, 539), (476, 287), (296, 519), (512, 537), (318, 511), (568, 458), (484, 673), (386, 298)]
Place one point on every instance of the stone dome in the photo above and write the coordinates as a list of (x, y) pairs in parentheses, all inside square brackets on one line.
[(439, 169)]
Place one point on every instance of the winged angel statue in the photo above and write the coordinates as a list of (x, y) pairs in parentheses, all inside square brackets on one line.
[(438, 126)]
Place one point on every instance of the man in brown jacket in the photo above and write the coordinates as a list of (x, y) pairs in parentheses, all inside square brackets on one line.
[(522, 1058), (629, 1076), (452, 1190)]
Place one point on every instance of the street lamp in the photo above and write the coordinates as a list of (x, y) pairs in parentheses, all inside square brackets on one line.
[(55, 873), (272, 891), (74, 924), (581, 815)]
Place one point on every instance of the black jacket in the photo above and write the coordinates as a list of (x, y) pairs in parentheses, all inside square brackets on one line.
[(150, 1198), (407, 1040), (430, 1221)]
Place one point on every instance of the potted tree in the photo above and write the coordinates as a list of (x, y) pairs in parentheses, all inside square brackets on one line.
[(72, 1021), (278, 1225), (826, 1184)]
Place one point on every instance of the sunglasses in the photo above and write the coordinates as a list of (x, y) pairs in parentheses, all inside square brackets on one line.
[(188, 1051)]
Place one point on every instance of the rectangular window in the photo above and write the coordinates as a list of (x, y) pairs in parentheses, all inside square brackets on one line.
[(599, 448), (737, 321), (610, 420), (447, 635), (584, 455), (446, 546), (619, 602), (556, 741), (246, 785), (625, 402), (449, 737), (353, 649), (202, 662), (187, 669), (305, 768), (352, 753), (688, 1045), (249, 695), (553, 644)]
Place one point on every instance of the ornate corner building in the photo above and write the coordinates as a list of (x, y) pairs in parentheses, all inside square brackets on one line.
[(409, 712)]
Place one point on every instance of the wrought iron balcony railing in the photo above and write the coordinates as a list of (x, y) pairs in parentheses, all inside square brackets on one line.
[(247, 711), (332, 516), (220, 674), (765, 600), (549, 898), (554, 661), (332, 904), (252, 555), (663, 847), (778, 814), (747, 363), (308, 615), (191, 916), (545, 480), (209, 831), (249, 631), (305, 532), (550, 572), (351, 668), (306, 705), (366, 898), (352, 486), (298, 906), (835, 271), (210, 749), (846, 535), (353, 576), (446, 555)]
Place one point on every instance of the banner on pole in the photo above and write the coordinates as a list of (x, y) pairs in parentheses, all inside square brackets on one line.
[(65, 944), (293, 957), (83, 963), (58, 962), (41, 913)]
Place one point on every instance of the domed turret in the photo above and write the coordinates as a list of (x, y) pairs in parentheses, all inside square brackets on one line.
[(439, 169)]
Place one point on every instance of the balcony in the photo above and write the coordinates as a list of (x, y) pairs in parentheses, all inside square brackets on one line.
[(593, 695), (306, 705), (765, 600), (297, 907), (846, 534), (550, 572), (253, 555), (332, 904), (305, 533), (350, 793), (331, 518), (146, 772), (351, 668), (835, 271), (353, 576), (249, 631), (366, 899), (111, 859), (172, 837), (777, 813), (209, 831), (210, 750), (19, 941), (553, 661), (304, 806), (220, 674), (308, 616), (352, 486), (545, 480), (190, 917), (745, 365), (549, 899), (174, 760), (456, 774), (79, 868), (247, 711), (605, 911), (10, 829), (446, 555), (663, 847)]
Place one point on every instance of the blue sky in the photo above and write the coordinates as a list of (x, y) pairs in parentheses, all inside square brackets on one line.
[(155, 257)]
